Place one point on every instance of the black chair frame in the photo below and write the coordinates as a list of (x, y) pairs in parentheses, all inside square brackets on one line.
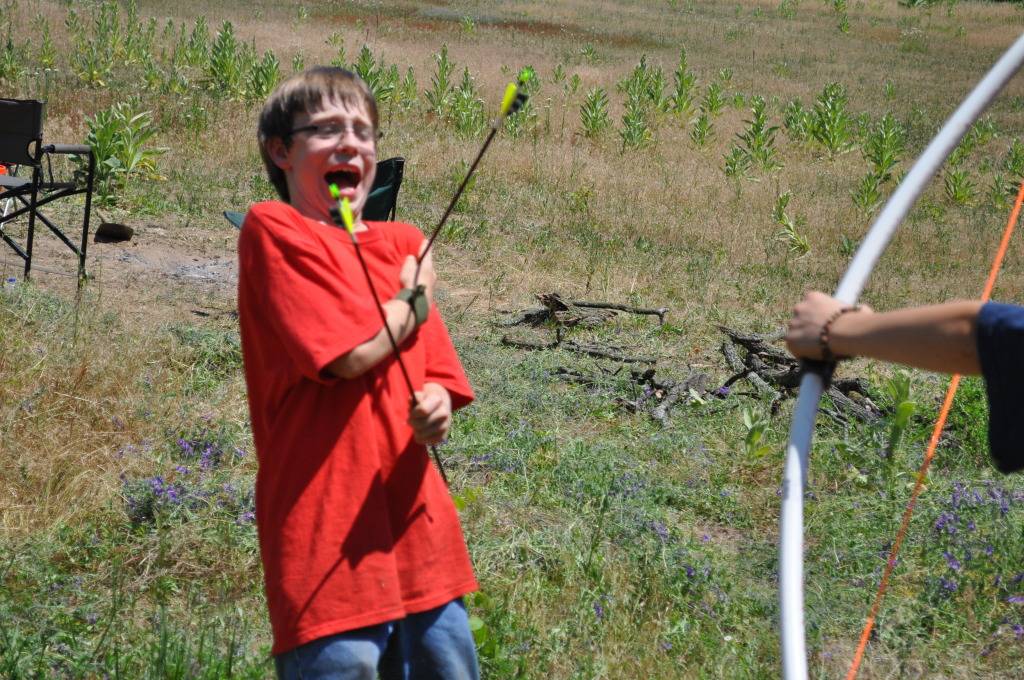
[(23, 122)]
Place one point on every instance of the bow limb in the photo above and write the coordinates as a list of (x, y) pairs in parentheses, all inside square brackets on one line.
[(791, 596)]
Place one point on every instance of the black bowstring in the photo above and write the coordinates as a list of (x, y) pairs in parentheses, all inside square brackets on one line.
[(517, 104)]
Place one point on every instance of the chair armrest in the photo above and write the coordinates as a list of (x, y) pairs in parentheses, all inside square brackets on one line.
[(67, 148)]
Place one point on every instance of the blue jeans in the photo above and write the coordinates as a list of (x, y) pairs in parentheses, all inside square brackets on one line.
[(435, 644)]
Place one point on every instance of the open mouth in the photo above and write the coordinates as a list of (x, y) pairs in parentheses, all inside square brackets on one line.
[(344, 178)]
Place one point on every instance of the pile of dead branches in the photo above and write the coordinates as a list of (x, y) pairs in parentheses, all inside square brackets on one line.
[(756, 359)]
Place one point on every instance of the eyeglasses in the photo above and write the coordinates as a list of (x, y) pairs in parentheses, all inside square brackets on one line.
[(334, 130)]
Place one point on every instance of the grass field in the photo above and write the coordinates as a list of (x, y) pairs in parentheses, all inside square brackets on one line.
[(714, 158)]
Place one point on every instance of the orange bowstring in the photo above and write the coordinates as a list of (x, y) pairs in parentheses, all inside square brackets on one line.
[(947, 403)]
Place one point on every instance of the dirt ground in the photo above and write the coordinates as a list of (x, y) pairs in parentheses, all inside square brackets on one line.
[(182, 269)]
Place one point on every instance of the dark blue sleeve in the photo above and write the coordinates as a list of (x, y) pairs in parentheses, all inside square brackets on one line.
[(1001, 352)]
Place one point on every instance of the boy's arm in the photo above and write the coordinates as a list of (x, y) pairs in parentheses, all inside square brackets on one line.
[(362, 358), (400, 320), (935, 338)]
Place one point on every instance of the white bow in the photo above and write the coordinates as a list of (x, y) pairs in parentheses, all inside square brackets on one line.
[(791, 558)]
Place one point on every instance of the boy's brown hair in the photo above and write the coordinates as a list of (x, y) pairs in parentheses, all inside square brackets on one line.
[(302, 93)]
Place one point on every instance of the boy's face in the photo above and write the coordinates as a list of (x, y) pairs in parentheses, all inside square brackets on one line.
[(335, 143)]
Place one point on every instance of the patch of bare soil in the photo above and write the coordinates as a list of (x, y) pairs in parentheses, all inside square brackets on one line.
[(168, 269)]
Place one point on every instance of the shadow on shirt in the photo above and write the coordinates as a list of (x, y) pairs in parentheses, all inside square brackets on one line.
[(369, 533)]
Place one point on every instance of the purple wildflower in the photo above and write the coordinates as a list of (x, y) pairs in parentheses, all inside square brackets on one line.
[(598, 610), (1018, 630), (1015, 599), (690, 571), (723, 391), (951, 561), (661, 530), (950, 586), (947, 521)]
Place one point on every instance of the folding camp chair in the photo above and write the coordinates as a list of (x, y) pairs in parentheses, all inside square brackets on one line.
[(21, 144), (381, 204)]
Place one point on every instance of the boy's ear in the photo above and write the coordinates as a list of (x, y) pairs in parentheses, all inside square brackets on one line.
[(278, 153)]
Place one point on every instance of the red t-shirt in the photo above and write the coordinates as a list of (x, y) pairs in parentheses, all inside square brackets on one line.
[(356, 526)]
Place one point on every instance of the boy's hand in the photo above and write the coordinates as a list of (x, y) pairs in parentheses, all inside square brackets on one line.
[(427, 276), (431, 418)]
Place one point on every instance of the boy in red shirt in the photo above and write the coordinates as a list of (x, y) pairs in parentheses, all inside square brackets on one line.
[(363, 556)]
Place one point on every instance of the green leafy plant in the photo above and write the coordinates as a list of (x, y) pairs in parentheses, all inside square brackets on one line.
[(441, 88), (847, 246), (897, 390), (198, 46), (119, 137), (884, 146), (47, 55), (467, 114), (737, 163), (759, 137), (959, 186), (408, 90), (788, 8), (646, 83), (152, 75), (867, 195), (382, 80), (263, 77), (714, 99), (831, 123), (844, 23), (10, 63), (684, 84), (589, 54), (798, 121), (636, 130), (702, 130), (790, 231), (594, 112), (757, 426), (225, 74)]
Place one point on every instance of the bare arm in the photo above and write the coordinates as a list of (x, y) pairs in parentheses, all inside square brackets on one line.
[(400, 320), (936, 338)]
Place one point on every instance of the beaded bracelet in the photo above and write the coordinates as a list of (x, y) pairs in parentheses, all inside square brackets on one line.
[(823, 337)]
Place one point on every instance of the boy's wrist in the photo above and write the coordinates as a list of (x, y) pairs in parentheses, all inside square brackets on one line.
[(845, 332), (416, 298)]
